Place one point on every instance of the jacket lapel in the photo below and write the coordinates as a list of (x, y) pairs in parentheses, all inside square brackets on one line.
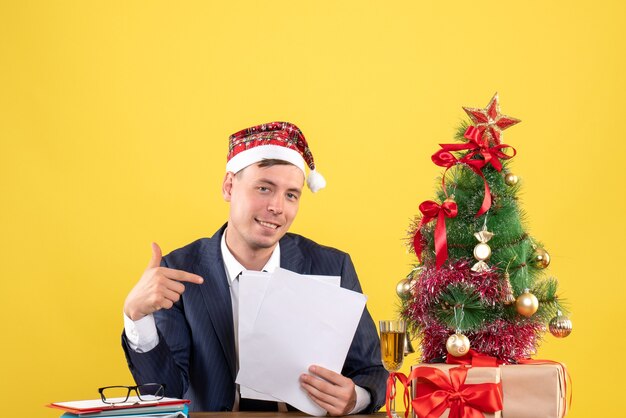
[(216, 295), (291, 257)]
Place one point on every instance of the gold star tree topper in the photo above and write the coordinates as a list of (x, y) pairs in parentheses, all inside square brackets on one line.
[(490, 122)]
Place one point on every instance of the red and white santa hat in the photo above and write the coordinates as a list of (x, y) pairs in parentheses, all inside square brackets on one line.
[(275, 140)]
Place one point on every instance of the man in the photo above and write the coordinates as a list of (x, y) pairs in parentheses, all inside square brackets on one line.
[(187, 341)]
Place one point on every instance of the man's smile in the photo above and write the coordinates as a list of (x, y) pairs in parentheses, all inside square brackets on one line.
[(267, 224)]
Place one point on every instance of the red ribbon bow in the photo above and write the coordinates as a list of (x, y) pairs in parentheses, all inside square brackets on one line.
[(439, 391), (477, 145), (432, 210), (480, 146)]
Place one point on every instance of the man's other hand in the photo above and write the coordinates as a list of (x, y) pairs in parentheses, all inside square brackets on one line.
[(158, 288), (330, 390)]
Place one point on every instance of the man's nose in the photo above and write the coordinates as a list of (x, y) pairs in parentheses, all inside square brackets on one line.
[(276, 205)]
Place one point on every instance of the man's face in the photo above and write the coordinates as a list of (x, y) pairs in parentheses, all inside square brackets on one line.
[(263, 203)]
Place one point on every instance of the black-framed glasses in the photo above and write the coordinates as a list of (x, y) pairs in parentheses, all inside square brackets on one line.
[(119, 394)]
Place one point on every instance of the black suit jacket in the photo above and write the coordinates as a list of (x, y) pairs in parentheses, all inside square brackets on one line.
[(195, 357)]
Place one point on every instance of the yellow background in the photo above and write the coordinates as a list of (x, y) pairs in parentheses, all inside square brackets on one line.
[(114, 118)]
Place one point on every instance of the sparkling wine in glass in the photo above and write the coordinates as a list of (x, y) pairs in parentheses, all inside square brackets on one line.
[(392, 334)]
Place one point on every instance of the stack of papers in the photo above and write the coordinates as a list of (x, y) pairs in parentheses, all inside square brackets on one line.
[(133, 408), (288, 322)]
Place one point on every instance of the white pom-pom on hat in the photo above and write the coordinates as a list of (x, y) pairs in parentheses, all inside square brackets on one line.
[(315, 181)]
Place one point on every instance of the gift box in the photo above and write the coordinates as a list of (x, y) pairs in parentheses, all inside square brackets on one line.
[(535, 390), (435, 387)]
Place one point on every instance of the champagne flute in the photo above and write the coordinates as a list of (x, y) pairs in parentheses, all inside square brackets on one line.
[(392, 335)]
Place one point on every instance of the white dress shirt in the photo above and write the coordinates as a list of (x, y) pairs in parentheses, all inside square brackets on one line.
[(142, 334)]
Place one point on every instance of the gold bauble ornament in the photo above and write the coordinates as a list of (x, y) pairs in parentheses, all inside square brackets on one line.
[(403, 288), (458, 344), (527, 304), (541, 258), (510, 179), (560, 326)]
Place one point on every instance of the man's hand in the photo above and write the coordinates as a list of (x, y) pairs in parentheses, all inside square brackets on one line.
[(158, 288), (333, 392)]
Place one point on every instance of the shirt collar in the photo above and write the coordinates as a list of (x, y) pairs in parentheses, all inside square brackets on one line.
[(234, 267)]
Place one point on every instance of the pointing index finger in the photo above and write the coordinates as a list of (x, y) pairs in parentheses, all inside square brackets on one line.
[(181, 275)]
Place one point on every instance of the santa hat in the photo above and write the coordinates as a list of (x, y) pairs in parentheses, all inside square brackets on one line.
[(275, 140)]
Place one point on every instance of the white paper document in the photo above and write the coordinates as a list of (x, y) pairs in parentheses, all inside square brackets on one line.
[(252, 286), (287, 322)]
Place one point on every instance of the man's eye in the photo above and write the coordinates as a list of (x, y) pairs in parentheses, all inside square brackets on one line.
[(292, 196), (263, 189)]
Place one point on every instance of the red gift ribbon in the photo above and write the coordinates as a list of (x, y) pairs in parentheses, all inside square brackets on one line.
[(440, 391), (445, 391), (432, 210), (475, 359), (391, 392)]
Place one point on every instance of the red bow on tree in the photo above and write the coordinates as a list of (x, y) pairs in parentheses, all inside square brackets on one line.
[(432, 210), (477, 145)]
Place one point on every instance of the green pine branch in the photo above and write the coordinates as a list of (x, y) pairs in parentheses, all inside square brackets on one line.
[(460, 307)]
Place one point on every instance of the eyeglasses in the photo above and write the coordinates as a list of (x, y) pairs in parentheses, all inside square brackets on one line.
[(119, 394)]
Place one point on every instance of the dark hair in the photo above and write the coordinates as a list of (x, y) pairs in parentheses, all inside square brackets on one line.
[(269, 162)]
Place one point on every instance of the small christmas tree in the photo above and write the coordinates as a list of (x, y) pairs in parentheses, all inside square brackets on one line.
[(481, 280)]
